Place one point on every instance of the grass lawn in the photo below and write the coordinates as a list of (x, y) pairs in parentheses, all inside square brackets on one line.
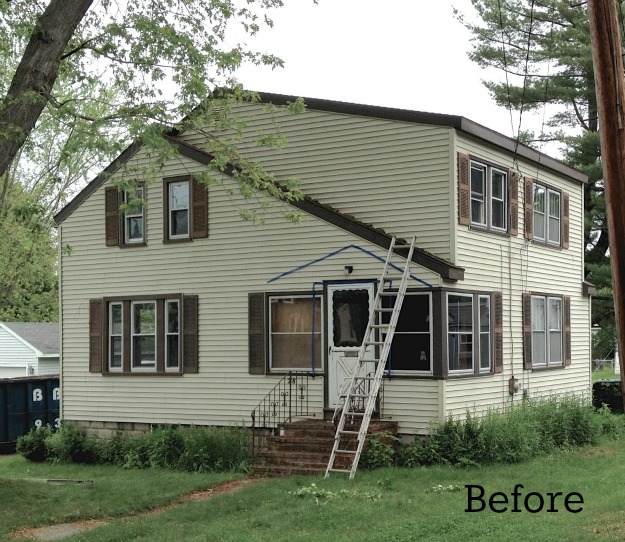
[(605, 373), (389, 505)]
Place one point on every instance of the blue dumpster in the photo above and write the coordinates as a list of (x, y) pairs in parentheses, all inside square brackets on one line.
[(27, 403)]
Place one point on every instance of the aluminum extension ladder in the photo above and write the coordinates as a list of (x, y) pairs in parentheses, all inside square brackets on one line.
[(359, 392)]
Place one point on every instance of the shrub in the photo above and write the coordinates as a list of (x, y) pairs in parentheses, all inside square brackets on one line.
[(33, 445), (524, 431), (380, 451), (72, 445)]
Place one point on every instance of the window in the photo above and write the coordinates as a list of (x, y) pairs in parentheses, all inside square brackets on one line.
[(460, 332), (178, 210), (185, 209), (156, 334), (488, 196), (133, 216), (125, 216), (172, 335), (144, 335), (485, 333), (116, 325), (546, 330), (546, 214), (295, 331), (411, 350)]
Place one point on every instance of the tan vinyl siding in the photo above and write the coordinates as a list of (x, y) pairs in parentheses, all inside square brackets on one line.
[(388, 173), (512, 266), (413, 404), (237, 258)]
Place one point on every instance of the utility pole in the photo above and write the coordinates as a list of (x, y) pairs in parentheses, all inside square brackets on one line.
[(607, 57)]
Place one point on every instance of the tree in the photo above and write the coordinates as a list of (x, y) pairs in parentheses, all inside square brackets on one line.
[(543, 48), (83, 79), (102, 75)]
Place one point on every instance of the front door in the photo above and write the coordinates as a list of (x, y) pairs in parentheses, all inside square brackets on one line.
[(349, 307)]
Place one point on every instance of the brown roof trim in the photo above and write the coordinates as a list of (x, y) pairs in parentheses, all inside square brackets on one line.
[(459, 123), (126, 155), (442, 267)]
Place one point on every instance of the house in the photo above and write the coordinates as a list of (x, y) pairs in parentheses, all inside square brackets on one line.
[(28, 349), (182, 313)]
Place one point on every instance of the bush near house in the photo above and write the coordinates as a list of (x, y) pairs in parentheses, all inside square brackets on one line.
[(194, 449), (608, 392)]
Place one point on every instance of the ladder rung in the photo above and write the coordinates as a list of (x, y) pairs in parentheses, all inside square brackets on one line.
[(358, 395), (373, 343), (345, 451), (340, 470), (349, 432), (388, 293), (383, 309)]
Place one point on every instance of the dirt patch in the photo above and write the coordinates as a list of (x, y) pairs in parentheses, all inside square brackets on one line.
[(63, 530), (597, 452)]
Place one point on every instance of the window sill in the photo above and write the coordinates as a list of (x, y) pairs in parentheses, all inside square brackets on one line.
[(142, 373), (546, 244), (176, 241), (541, 368), (482, 229), (133, 245)]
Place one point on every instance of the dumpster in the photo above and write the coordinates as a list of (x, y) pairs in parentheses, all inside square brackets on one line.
[(608, 392), (27, 403)]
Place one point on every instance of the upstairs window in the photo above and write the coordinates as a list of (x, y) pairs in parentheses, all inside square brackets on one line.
[(134, 216), (546, 214), (125, 216), (487, 196), (185, 209)]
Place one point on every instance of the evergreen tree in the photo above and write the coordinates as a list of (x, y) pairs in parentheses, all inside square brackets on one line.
[(543, 47)]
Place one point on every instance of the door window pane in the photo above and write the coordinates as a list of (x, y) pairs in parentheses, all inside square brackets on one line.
[(460, 332), (144, 334), (350, 315)]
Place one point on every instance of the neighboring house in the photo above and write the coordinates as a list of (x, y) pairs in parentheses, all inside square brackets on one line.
[(182, 313), (28, 349)]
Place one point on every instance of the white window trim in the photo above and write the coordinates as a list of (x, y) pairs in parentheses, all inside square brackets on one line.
[(171, 209), (406, 372), (487, 202), (271, 334), (472, 333), (167, 333), (111, 335), (146, 368), (547, 331), (134, 214)]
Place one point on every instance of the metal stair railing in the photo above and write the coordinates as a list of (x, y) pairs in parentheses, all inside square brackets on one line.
[(361, 388), (287, 400)]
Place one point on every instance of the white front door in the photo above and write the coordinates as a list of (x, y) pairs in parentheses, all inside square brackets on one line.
[(349, 307)]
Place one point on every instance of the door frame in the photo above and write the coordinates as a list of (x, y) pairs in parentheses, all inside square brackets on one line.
[(337, 358)]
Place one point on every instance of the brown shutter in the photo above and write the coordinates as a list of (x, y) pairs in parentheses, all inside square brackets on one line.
[(257, 334), (567, 331), (464, 190), (498, 331), (190, 334), (200, 210), (565, 220), (529, 208), (513, 199), (96, 333), (111, 216), (527, 331)]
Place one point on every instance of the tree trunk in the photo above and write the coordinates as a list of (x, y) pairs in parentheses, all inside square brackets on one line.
[(36, 74)]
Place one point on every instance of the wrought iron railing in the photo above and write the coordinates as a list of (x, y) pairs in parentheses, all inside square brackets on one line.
[(287, 400)]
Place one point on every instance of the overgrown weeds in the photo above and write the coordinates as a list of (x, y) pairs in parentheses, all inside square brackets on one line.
[(191, 449), (525, 431)]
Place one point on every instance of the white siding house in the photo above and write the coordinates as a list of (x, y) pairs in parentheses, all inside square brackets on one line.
[(182, 313), (28, 349)]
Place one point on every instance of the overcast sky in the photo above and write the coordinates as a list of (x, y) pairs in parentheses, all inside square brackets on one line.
[(410, 54)]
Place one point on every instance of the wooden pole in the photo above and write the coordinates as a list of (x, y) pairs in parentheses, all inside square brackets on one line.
[(610, 86)]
